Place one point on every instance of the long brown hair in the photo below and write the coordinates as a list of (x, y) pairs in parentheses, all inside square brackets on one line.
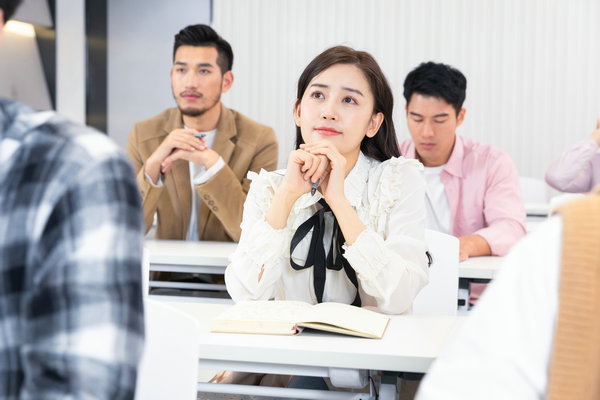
[(384, 144)]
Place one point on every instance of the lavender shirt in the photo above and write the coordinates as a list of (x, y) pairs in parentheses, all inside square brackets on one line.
[(577, 170)]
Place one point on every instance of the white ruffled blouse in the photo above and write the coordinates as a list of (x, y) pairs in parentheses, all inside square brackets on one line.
[(388, 257)]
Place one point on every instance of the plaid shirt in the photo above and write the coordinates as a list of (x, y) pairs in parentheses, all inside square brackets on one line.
[(71, 310)]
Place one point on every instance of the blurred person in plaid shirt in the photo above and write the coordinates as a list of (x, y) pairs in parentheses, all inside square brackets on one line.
[(71, 310)]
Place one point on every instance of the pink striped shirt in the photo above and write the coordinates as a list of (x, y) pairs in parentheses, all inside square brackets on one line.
[(482, 186)]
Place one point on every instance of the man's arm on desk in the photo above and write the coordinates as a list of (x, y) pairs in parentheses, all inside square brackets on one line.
[(503, 212), (473, 246)]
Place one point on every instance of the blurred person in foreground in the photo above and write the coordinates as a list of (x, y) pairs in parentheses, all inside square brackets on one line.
[(535, 333), (71, 324)]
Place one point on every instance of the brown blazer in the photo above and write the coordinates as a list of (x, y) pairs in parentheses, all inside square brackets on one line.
[(245, 146), (574, 372)]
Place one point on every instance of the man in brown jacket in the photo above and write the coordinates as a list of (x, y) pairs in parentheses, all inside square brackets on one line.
[(192, 161)]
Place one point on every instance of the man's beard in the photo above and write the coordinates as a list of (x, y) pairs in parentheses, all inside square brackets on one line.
[(192, 112), (197, 112)]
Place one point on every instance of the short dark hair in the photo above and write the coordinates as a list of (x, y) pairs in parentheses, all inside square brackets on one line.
[(437, 80), (9, 7), (384, 144), (204, 35)]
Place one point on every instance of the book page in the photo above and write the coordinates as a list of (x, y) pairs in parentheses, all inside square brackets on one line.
[(361, 321), (284, 317), (269, 317)]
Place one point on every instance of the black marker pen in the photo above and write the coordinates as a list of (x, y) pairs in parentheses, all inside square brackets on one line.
[(315, 185)]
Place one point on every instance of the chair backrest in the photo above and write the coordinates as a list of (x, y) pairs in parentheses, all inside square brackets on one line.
[(440, 295), (563, 198), (169, 365), (533, 190)]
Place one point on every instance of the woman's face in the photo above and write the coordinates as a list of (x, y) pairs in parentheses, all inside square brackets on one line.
[(337, 106)]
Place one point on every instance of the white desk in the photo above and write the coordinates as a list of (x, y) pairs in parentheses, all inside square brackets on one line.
[(410, 344), (482, 267), (189, 257), (534, 222), (537, 209)]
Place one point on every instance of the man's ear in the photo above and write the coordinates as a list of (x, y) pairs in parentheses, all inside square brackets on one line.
[(227, 81), (374, 124), (461, 116), (297, 112)]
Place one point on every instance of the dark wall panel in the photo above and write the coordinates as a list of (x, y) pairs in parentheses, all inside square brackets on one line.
[(96, 76)]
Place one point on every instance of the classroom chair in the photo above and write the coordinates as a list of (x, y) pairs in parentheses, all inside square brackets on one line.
[(169, 365), (440, 295), (562, 198)]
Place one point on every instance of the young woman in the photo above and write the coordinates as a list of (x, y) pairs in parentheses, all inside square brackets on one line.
[(359, 238)]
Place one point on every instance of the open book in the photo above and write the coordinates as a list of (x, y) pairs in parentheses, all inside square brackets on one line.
[(284, 317)]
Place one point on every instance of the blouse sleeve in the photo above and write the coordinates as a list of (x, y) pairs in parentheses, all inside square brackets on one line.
[(261, 248), (573, 171), (390, 258)]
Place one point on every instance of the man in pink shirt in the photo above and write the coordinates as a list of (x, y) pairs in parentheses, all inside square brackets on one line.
[(473, 189)]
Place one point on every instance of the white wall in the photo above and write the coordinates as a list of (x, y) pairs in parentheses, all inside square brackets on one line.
[(532, 65), (140, 49), (20, 63), (21, 72), (71, 59)]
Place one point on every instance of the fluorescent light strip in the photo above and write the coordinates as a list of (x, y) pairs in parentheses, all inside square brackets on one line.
[(20, 28)]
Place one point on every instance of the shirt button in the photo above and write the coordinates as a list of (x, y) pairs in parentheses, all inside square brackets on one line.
[(210, 202), (215, 208), (206, 197)]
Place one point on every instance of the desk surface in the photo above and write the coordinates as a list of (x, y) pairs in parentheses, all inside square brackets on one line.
[(180, 252), (483, 267), (410, 343), (537, 209), (534, 223)]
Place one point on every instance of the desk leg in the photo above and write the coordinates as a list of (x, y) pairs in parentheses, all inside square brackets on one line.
[(387, 388), (464, 292)]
